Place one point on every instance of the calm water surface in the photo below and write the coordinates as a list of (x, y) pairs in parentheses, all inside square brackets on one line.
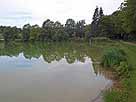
[(37, 72)]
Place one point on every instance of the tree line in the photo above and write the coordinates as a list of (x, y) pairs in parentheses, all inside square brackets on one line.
[(121, 24), (50, 31)]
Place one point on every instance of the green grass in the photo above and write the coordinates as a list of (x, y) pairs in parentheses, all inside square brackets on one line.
[(128, 92), (131, 52)]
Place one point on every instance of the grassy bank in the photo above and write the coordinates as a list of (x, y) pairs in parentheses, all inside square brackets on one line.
[(126, 91), (130, 49)]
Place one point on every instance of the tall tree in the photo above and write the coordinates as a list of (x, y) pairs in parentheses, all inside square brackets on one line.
[(48, 30), (80, 29), (26, 32), (48, 24), (101, 14), (59, 33), (106, 26), (98, 14), (130, 16), (70, 27)]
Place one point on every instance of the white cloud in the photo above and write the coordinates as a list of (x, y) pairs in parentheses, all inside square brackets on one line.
[(36, 11)]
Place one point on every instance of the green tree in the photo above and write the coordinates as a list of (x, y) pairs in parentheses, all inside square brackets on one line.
[(87, 30), (106, 27), (35, 32), (130, 16), (48, 30), (59, 33), (70, 27), (118, 25), (26, 32), (7, 35), (98, 14), (80, 26), (16, 32), (10, 33)]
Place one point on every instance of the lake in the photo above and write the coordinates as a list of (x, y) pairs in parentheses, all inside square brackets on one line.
[(49, 72)]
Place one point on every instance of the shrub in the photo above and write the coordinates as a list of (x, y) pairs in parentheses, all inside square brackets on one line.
[(123, 69), (112, 57)]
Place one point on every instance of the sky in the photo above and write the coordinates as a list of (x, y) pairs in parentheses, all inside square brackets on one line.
[(20, 12)]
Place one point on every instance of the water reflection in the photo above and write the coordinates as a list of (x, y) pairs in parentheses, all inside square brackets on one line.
[(49, 51), (49, 72)]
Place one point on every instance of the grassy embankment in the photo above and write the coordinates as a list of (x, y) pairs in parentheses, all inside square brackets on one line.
[(127, 90)]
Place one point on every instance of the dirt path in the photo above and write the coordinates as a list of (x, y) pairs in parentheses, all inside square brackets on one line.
[(130, 43)]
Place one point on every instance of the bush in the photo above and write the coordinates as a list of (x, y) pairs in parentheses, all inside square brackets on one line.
[(112, 57), (123, 69)]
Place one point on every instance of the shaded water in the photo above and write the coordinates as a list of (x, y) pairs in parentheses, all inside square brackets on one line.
[(51, 72)]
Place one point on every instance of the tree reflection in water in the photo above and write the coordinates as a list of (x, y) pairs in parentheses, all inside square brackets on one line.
[(52, 51)]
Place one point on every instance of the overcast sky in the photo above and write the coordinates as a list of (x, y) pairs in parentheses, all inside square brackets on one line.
[(20, 12)]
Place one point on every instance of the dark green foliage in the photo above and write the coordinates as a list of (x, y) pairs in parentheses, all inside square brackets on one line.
[(26, 32), (130, 16), (95, 25), (35, 32), (112, 26), (119, 25), (10, 33), (95, 22), (112, 57), (80, 29), (7, 34), (50, 31), (123, 69), (70, 27), (96, 14), (106, 27), (87, 31)]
